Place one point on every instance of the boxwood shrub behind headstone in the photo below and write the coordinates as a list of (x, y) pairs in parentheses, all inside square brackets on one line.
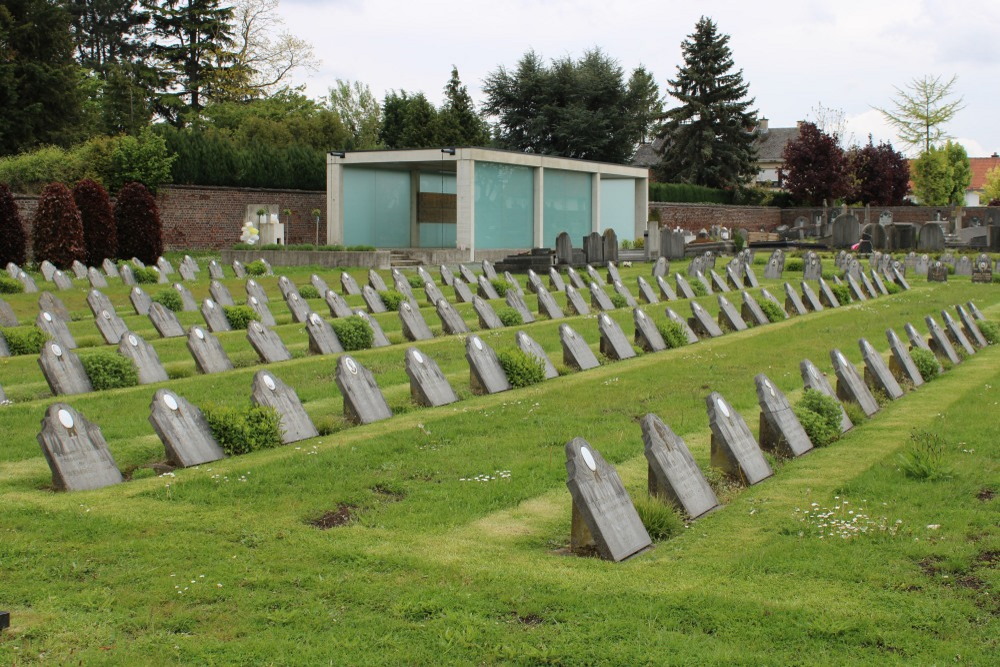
[(243, 430), (239, 317), (107, 370), (354, 332), (24, 340)]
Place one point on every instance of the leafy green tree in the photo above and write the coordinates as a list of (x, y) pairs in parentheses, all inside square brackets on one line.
[(408, 121), (815, 167), (933, 178), (359, 112), (644, 97), (143, 159), (991, 188), (460, 124), (709, 137), (961, 171), (921, 109), (880, 174)]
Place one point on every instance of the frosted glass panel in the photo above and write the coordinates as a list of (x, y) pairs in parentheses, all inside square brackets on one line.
[(618, 207), (504, 213), (567, 204), (443, 183), (376, 207), (436, 235)]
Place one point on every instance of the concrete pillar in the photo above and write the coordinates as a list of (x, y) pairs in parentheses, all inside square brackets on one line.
[(334, 202), (465, 191), (641, 205), (414, 193), (595, 203), (539, 203)]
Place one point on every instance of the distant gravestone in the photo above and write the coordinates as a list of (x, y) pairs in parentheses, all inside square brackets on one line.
[(182, 428), (488, 270), (646, 293), (647, 336), (718, 283), (267, 343), (79, 270), (188, 304), (50, 303), (186, 272), (734, 449), (982, 270), (574, 278), (451, 322), (854, 268), (576, 352), (846, 231), (809, 298), (372, 300), (773, 269), (622, 291), (665, 289), (751, 310), (338, 307), (850, 386), (48, 270), (956, 335), (857, 292), (486, 375), (348, 285), (447, 277), (462, 292), (286, 287), (516, 301), (614, 345), (322, 338), (593, 248), (8, 318), (734, 277), (556, 281), (564, 249), (95, 278), (138, 263), (56, 329), (575, 303), (661, 268), (729, 317), (826, 295), (215, 271), (879, 285), (813, 379), (972, 330), (613, 275), (599, 299), (486, 289), (413, 323), (812, 267), (253, 289), (594, 275), (262, 311), (144, 357), (111, 327), (140, 300), (939, 342), (488, 318), (604, 519), (527, 345), (428, 386), (165, 321), (221, 294), (868, 287), (28, 283), (877, 374), (214, 316), (76, 451), (534, 282), (610, 240), (930, 238), (922, 265), (467, 274), (298, 307), (432, 293), (207, 352), (363, 400), (164, 266), (673, 475), (780, 430), (672, 244), (267, 390), (750, 277), (702, 323), (766, 295), (375, 281), (98, 302), (683, 289), (13, 269), (513, 283), (63, 370), (901, 363)]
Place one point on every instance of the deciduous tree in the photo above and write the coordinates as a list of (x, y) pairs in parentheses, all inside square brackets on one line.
[(360, 113), (815, 167), (57, 231), (933, 179), (12, 239), (921, 109), (880, 175), (100, 235)]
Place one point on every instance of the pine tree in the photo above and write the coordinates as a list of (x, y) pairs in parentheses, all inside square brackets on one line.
[(460, 124), (815, 167), (57, 233), (137, 219), (12, 240), (100, 236), (709, 139)]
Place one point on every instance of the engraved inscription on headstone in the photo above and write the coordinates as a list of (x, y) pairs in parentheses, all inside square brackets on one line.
[(850, 386), (187, 439), (673, 474), (428, 385), (269, 391), (63, 370), (576, 352), (780, 430), (267, 343), (363, 400), (76, 451), (937, 273), (734, 449), (144, 357)]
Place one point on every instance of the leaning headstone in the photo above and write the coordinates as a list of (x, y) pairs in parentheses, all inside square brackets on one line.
[(467, 274), (462, 292), (402, 285), (320, 285), (751, 310), (729, 317), (286, 287), (812, 267), (207, 352), (140, 300), (48, 270), (98, 302), (594, 275), (298, 307), (857, 293), (424, 276), (900, 278), (877, 374), (614, 345), (974, 310), (793, 303), (488, 270), (956, 335), (516, 301), (939, 343), (488, 318), (56, 329), (451, 322), (486, 289), (254, 289), (76, 451), (348, 285), (144, 357), (646, 293), (221, 294), (13, 269), (647, 336), (575, 303), (972, 329), (215, 271), (188, 304), (63, 370), (613, 275), (486, 375), (901, 363), (604, 519), (850, 386), (375, 281), (269, 391), (661, 268), (917, 341), (705, 282), (556, 281), (111, 327), (689, 333), (599, 299), (49, 302), (575, 279), (770, 297), (262, 311), (564, 249), (447, 277), (826, 295), (702, 323), (164, 266), (8, 318), (28, 283), (683, 289), (780, 430), (413, 323), (879, 285), (338, 307), (623, 292), (809, 298), (187, 273), (868, 287), (534, 282), (322, 338), (734, 275), (428, 386), (379, 338), (673, 475), (95, 278), (513, 283), (267, 343), (186, 436), (734, 449), (433, 294), (527, 345), (665, 289), (813, 379), (718, 283), (576, 352), (79, 269), (138, 263)]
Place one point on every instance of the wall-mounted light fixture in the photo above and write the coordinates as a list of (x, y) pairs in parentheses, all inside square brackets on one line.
[(449, 151), (340, 154)]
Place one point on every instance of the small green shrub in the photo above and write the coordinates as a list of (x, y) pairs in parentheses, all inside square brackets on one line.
[(660, 520), (241, 431), (739, 241), (308, 292), (990, 330), (108, 370), (509, 317), (996, 278), (27, 339), (639, 243), (521, 368), (842, 292), (771, 310), (926, 363), (415, 281), (618, 301), (819, 415), (854, 412), (828, 275), (673, 334), (331, 248), (761, 259), (391, 298), (146, 275), (272, 246), (794, 264), (360, 248), (501, 286), (924, 458), (354, 333), (891, 287), (626, 244), (698, 288), (239, 317), (169, 299), (10, 285), (300, 246), (243, 246), (951, 269), (256, 268)]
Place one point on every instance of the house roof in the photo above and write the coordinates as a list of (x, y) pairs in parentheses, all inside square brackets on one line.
[(771, 144), (980, 166)]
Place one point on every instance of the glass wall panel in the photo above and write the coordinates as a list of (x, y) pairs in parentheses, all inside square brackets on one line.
[(376, 207), (432, 234), (504, 206), (618, 207), (567, 203)]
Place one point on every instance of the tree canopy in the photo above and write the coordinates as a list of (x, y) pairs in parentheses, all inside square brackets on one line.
[(815, 167), (880, 174), (920, 110)]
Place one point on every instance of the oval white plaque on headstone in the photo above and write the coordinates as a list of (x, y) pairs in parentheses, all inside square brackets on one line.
[(419, 358), (137, 290), (769, 387), (588, 458), (253, 300), (606, 319), (257, 327), (269, 382), (66, 419), (406, 307), (199, 333), (56, 350), (618, 283), (133, 341), (478, 343), (93, 291), (351, 366), (178, 287), (640, 314), (295, 297), (47, 316), (723, 408), (209, 303), (315, 319), (251, 283), (170, 401), (696, 306), (105, 314)]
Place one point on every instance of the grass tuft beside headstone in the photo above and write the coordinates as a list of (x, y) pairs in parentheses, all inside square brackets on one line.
[(521, 368), (240, 431)]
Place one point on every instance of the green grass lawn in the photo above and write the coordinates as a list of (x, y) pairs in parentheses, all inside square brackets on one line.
[(221, 563)]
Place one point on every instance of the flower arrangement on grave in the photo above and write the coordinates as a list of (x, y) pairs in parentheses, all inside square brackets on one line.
[(250, 234)]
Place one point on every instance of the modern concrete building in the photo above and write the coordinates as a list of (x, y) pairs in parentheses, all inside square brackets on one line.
[(477, 203)]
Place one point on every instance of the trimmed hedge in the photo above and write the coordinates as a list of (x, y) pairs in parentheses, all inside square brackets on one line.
[(354, 333), (137, 220), (100, 235), (107, 370), (12, 238), (58, 230)]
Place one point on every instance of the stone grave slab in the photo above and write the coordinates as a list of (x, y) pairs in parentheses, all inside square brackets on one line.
[(253, 289), (734, 449), (613, 275), (267, 343), (432, 293), (963, 267), (793, 303), (665, 289), (164, 266), (647, 336), (696, 265), (338, 307), (144, 357), (486, 375), (188, 304), (575, 279), (137, 263), (901, 363), (447, 277), (111, 327), (734, 278), (683, 289), (604, 519), (850, 386), (809, 298), (625, 294), (770, 297), (428, 386), (56, 329), (486, 289), (401, 284), (599, 299), (673, 476), (79, 269), (110, 270), (780, 430), (269, 391), (610, 240), (28, 283), (879, 285), (8, 318), (76, 451), (812, 267), (854, 268), (972, 330), (813, 379), (63, 370), (286, 287), (702, 323), (575, 304), (868, 287), (182, 428), (956, 335), (717, 282), (922, 265), (263, 312), (857, 293), (186, 272), (451, 322), (900, 278), (672, 244), (298, 307), (646, 292), (705, 282), (98, 301), (462, 292), (322, 338), (48, 270), (916, 340), (320, 285), (689, 333), (751, 310), (982, 270), (375, 281), (750, 277), (214, 316), (50, 303), (488, 270), (564, 248), (215, 271), (513, 283), (661, 268), (379, 338), (467, 274), (877, 374), (534, 282), (516, 301), (413, 323), (547, 305), (576, 352), (729, 317), (207, 352), (937, 273), (974, 310), (220, 293), (140, 300), (189, 262), (349, 286), (528, 345), (425, 277), (95, 278), (939, 342), (594, 275), (614, 345), (488, 318), (556, 281)]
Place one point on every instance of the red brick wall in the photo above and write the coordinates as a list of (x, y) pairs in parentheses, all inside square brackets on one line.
[(899, 213), (693, 217)]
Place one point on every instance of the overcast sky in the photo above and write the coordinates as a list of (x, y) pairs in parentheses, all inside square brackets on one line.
[(795, 54)]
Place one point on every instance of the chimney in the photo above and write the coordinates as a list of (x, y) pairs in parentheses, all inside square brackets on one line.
[(762, 125), (995, 155), (798, 124)]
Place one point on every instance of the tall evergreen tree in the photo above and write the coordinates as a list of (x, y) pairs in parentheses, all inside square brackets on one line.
[(709, 137), (644, 97), (100, 235), (408, 121), (460, 124)]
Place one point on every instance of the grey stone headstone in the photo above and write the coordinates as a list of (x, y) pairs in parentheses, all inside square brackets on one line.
[(846, 230), (594, 275), (593, 248), (773, 269), (56, 329), (254, 289), (528, 345), (451, 322), (974, 310), (488, 318), (267, 343), (413, 323), (207, 352), (144, 357), (689, 333), (812, 267), (140, 300), (28, 283), (486, 289), (488, 270), (854, 268), (647, 336), (956, 335), (320, 285), (735, 272), (516, 301), (556, 281), (164, 266), (186, 436), (286, 286), (599, 299), (375, 281), (661, 268), (900, 278), (826, 295), (447, 277), (576, 352), (809, 298), (137, 263), (432, 293), (95, 278), (850, 386), (625, 294), (574, 278), (165, 321), (939, 342), (462, 292), (486, 375), (402, 285), (379, 338), (534, 282), (267, 390), (111, 327), (879, 285), (793, 303), (665, 289), (298, 307), (857, 292), (338, 307), (98, 301), (673, 475), (813, 379), (948, 259), (614, 345), (717, 283), (63, 370), (972, 330), (49, 302), (513, 283), (706, 283), (186, 272), (877, 374), (468, 276), (702, 323), (683, 288), (263, 312), (189, 262), (866, 284), (610, 239), (268, 271), (322, 338), (982, 271), (613, 275), (922, 265), (79, 270), (214, 316), (8, 318), (575, 303), (220, 293), (564, 248), (672, 244), (780, 430), (188, 304), (770, 297), (48, 270), (729, 317), (750, 277), (425, 277), (646, 292), (428, 386), (76, 451), (930, 238), (348, 285), (734, 449), (901, 363), (547, 305), (13, 269), (215, 271), (916, 340), (751, 310)]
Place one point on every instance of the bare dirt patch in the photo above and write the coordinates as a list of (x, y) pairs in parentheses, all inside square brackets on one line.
[(334, 518)]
